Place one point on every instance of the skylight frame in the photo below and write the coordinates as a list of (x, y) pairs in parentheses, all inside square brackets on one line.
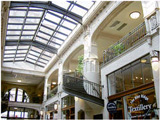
[(27, 19)]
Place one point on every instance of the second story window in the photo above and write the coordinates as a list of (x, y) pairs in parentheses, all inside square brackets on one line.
[(17, 95)]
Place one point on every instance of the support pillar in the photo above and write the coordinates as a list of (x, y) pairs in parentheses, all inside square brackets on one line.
[(45, 90), (151, 11), (91, 64)]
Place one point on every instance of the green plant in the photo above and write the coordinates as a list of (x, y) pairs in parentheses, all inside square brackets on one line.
[(118, 49), (79, 68)]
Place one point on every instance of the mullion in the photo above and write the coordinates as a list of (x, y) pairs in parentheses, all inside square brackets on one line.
[(13, 57), (40, 22), (14, 49), (55, 43), (33, 55), (31, 58), (12, 60), (42, 38), (41, 62)]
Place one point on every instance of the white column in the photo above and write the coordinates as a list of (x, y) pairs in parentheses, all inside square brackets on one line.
[(152, 20), (45, 90), (91, 64), (60, 76)]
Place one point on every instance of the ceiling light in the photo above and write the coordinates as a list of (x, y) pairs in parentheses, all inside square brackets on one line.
[(134, 15), (19, 80), (54, 83), (143, 60), (15, 108)]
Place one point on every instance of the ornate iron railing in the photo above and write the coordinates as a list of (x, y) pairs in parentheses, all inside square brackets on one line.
[(52, 92), (82, 86), (126, 42)]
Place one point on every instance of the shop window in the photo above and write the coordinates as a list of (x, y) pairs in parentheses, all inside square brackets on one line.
[(131, 76), (142, 105), (137, 74), (127, 76)]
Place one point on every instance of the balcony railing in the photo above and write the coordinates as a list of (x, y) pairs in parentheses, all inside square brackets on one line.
[(82, 86), (52, 92), (125, 43)]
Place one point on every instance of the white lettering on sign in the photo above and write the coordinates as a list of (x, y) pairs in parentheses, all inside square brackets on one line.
[(139, 96), (140, 107)]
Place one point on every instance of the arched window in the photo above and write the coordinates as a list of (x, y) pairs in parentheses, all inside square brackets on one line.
[(17, 95)]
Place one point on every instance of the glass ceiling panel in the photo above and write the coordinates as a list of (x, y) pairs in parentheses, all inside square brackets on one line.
[(62, 4), (8, 52), (21, 51), (8, 59), (9, 55), (13, 32), (30, 27), (45, 57), (34, 53), (20, 55), (49, 24), (28, 32), (52, 18), (87, 4), (17, 13), (31, 56), (56, 13), (64, 30), (26, 37), (15, 20), (60, 36), (41, 40), (80, 12), (10, 47), (12, 37), (28, 20), (35, 13), (14, 26), (44, 35), (23, 46), (30, 60), (19, 59), (41, 27), (69, 25), (54, 45), (36, 49), (46, 30)]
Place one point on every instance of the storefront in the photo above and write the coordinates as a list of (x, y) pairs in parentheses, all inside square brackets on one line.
[(68, 107), (131, 88)]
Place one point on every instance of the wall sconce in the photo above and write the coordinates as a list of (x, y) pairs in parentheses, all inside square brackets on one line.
[(41, 112), (55, 106), (155, 60)]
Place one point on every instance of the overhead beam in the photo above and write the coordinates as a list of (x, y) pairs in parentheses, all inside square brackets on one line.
[(48, 6)]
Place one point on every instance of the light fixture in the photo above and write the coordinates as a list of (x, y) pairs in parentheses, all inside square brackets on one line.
[(19, 80), (136, 77), (41, 112), (146, 78), (56, 106), (134, 15), (141, 78), (15, 108), (155, 60), (70, 70), (54, 83), (143, 60), (76, 99)]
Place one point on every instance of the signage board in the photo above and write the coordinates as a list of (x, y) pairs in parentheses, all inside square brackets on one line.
[(111, 107)]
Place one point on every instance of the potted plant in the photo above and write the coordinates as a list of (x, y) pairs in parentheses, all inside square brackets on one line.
[(118, 48), (79, 68)]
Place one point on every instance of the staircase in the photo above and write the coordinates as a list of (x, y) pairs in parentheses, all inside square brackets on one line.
[(83, 89)]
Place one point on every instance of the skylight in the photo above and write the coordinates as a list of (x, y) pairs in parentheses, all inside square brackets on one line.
[(37, 29)]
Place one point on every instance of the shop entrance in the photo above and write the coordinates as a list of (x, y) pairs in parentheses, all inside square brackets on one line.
[(138, 103)]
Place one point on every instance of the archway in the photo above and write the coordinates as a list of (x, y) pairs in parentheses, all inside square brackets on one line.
[(81, 114)]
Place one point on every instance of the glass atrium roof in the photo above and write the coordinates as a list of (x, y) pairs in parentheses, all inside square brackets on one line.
[(37, 29)]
